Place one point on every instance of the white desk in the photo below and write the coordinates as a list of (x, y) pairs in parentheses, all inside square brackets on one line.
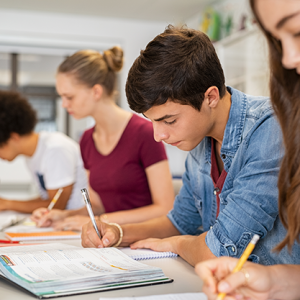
[(185, 280)]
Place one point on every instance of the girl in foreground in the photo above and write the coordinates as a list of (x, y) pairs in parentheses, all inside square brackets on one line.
[(129, 177), (280, 22)]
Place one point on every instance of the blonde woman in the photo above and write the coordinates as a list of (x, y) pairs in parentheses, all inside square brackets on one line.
[(129, 177)]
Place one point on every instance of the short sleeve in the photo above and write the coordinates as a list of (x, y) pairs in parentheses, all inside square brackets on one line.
[(151, 151), (84, 145), (59, 168)]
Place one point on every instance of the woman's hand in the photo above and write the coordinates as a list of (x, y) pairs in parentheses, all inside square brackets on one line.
[(45, 218), (110, 235), (253, 281), (72, 223)]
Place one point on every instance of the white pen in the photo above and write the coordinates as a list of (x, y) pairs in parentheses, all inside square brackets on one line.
[(88, 204)]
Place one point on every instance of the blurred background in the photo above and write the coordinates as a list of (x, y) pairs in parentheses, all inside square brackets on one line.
[(36, 36)]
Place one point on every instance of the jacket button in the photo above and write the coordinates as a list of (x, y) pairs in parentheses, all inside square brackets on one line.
[(233, 250), (216, 190), (223, 156)]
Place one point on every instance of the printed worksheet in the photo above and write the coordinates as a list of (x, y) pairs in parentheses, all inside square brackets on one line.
[(184, 296), (47, 262)]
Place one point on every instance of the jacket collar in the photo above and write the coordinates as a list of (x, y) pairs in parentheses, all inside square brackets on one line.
[(233, 130)]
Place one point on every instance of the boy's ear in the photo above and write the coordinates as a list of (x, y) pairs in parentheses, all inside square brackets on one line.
[(15, 136), (212, 96)]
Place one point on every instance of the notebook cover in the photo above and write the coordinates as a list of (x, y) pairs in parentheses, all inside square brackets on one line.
[(86, 291), (54, 235)]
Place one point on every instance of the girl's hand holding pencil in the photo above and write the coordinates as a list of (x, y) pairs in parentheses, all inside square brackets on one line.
[(231, 278)]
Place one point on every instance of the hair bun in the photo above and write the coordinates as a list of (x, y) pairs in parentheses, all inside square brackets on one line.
[(114, 58)]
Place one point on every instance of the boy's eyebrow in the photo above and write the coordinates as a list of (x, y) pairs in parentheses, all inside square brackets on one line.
[(285, 19), (163, 118), (160, 119)]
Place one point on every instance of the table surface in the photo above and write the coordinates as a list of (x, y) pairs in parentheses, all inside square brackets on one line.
[(185, 281)]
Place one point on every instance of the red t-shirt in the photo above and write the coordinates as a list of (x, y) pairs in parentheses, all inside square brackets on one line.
[(217, 178), (119, 177)]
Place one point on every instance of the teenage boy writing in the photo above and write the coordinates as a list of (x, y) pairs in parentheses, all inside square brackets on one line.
[(53, 159), (229, 188)]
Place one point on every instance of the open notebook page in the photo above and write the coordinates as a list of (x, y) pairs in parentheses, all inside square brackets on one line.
[(184, 296)]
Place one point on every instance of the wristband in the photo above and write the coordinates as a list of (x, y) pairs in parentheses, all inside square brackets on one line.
[(121, 234)]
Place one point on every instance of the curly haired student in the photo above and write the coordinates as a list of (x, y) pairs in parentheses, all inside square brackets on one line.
[(52, 158)]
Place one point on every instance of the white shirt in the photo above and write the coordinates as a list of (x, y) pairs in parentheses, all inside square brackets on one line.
[(57, 163)]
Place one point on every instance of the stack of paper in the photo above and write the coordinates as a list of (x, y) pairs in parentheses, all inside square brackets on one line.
[(51, 270)]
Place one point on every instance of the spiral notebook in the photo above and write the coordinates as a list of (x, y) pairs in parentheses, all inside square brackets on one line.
[(141, 254), (37, 236)]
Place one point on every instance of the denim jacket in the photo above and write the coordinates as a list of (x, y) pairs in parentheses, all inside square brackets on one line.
[(251, 152)]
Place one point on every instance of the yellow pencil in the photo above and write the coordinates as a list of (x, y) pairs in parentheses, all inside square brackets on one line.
[(242, 260), (55, 198)]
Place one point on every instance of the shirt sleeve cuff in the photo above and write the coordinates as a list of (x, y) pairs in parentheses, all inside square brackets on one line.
[(172, 218), (212, 243), (60, 183)]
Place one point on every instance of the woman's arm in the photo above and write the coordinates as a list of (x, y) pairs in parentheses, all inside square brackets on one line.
[(162, 193)]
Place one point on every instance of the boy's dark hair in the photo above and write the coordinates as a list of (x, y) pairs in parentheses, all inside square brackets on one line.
[(16, 116), (180, 64)]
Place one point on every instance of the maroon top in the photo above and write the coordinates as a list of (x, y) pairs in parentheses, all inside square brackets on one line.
[(119, 177), (217, 178)]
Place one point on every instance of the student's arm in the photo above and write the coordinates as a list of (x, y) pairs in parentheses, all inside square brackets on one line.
[(243, 213), (192, 249), (159, 227), (271, 282), (68, 219), (29, 206), (162, 193)]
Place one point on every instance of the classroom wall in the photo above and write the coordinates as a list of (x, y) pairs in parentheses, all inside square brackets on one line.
[(73, 32), (234, 7), (64, 34), (244, 52)]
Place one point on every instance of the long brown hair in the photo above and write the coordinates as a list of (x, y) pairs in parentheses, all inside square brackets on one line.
[(285, 97)]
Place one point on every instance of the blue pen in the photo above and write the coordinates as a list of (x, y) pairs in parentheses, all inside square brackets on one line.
[(88, 204)]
